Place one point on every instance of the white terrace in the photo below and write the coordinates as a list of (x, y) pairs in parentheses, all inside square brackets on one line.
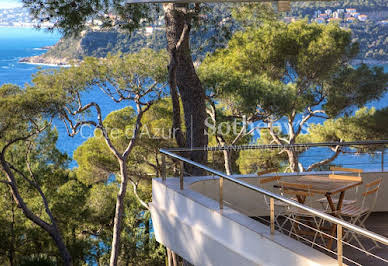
[(238, 220)]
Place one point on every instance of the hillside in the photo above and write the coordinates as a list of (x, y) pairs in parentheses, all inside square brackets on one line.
[(98, 44), (371, 34)]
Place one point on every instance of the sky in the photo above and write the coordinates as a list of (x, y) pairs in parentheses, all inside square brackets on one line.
[(10, 3)]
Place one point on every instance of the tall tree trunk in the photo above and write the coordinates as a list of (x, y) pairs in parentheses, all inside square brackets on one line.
[(227, 156), (182, 75), (227, 163), (192, 93), (67, 260), (119, 214), (12, 244), (293, 160)]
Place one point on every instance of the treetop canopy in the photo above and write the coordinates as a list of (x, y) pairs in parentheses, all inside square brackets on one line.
[(280, 69)]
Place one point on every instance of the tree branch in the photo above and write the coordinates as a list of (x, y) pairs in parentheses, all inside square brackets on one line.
[(11, 142), (143, 203), (241, 133), (18, 198), (337, 151), (176, 119), (136, 130), (306, 118), (275, 137), (39, 189)]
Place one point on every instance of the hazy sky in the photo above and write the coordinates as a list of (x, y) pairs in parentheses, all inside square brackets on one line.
[(10, 3)]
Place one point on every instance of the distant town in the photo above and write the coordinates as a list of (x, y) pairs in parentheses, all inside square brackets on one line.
[(348, 15), (19, 17)]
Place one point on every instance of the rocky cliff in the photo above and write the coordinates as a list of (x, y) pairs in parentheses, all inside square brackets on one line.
[(98, 44)]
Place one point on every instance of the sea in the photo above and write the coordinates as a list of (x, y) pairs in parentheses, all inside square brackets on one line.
[(16, 43)]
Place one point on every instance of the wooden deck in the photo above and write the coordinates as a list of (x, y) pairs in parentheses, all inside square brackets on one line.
[(378, 223)]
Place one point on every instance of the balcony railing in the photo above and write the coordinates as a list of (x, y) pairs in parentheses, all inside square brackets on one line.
[(343, 228)]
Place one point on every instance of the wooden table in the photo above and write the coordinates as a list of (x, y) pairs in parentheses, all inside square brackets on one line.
[(328, 187)]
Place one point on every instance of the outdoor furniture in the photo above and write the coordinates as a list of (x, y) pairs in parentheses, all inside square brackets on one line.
[(280, 206), (296, 215), (359, 212), (358, 178), (324, 185), (352, 170)]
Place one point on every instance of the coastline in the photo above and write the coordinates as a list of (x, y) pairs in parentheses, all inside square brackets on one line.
[(41, 60), (45, 64), (63, 62)]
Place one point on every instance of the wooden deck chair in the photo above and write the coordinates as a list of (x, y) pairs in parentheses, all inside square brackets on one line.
[(352, 170), (279, 205), (268, 171), (358, 178), (358, 213), (294, 214)]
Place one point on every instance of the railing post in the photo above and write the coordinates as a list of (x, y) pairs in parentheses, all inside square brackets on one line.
[(181, 174), (164, 170), (339, 244), (382, 159), (213, 165), (272, 214), (221, 193)]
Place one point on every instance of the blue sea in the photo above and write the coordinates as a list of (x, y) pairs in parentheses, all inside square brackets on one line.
[(16, 43)]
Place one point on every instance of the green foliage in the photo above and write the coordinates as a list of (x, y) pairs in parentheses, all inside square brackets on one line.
[(254, 14), (20, 106), (95, 161), (37, 261), (283, 68), (98, 168), (357, 87), (290, 73), (72, 17), (128, 73), (252, 161), (73, 196), (366, 124), (214, 27), (84, 213), (66, 197), (138, 246), (97, 164), (373, 39), (224, 129), (370, 34)]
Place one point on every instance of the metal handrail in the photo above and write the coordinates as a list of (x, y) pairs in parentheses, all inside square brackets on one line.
[(320, 214), (280, 146)]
